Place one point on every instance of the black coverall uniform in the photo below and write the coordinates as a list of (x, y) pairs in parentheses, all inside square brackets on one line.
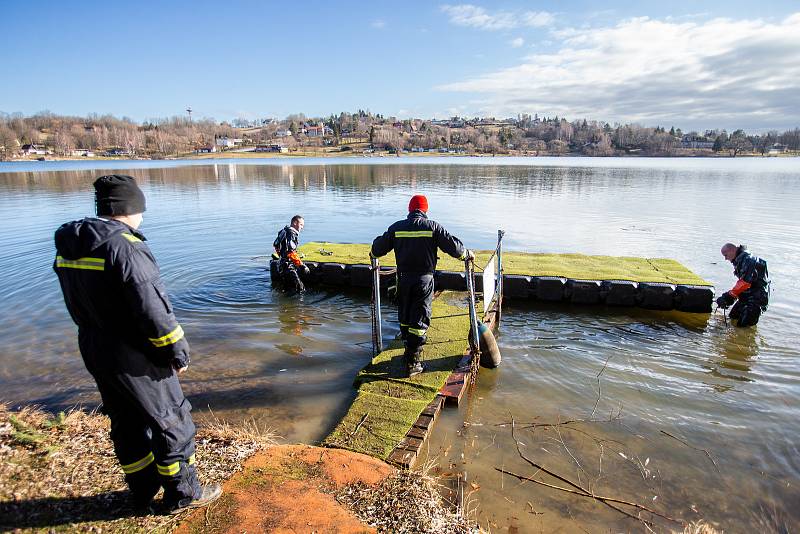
[(288, 259), (415, 241), (751, 290), (131, 343)]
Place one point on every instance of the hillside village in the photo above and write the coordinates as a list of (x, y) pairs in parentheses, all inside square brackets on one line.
[(45, 135)]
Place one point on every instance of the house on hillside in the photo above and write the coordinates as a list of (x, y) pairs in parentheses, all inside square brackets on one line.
[(205, 149), (35, 150), (82, 152), (223, 141), (283, 132), (315, 131), (696, 141), (777, 148)]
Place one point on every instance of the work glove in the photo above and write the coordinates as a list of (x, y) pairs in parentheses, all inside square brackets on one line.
[(181, 362), (275, 256), (725, 300), (306, 270)]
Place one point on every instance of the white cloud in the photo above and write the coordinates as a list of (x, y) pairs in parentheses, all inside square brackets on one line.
[(473, 16), (720, 72), (378, 24), (516, 43)]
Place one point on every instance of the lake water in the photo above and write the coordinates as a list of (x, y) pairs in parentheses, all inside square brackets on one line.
[(692, 417)]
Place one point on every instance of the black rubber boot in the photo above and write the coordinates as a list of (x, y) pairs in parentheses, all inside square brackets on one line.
[(414, 360), (208, 494), (143, 485)]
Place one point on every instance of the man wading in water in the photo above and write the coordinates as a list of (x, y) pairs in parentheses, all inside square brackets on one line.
[(415, 241), (289, 263), (132, 345), (751, 289)]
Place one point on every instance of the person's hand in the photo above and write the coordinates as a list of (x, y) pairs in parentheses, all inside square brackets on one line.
[(182, 369), (469, 255), (725, 300), (306, 270)]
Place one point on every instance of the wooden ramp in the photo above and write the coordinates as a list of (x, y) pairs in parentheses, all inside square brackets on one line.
[(392, 416)]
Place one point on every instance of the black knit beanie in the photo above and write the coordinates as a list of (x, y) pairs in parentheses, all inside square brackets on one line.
[(117, 194)]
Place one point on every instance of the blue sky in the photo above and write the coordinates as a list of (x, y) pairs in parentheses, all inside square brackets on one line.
[(692, 64)]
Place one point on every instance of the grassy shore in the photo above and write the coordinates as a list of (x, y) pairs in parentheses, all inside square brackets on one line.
[(58, 473)]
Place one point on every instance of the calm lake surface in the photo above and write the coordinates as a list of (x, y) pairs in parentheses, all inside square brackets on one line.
[(683, 413)]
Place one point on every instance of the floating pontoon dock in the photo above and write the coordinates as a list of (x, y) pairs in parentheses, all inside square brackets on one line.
[(656, 284)]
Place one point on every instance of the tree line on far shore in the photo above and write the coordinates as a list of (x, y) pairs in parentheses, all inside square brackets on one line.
[(525, 134)]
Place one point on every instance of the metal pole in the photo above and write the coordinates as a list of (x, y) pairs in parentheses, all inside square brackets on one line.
[(376, 311), (499, 290), (473, 316)]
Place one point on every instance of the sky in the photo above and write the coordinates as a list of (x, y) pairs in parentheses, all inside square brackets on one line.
[(695, 65)]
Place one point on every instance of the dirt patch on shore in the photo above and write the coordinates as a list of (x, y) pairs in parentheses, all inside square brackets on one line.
[(290, 488)]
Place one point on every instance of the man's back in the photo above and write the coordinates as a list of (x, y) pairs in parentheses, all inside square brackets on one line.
[(415, 241)]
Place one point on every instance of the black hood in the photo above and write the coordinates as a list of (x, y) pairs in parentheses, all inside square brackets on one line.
[(77, 239), (417, 214)]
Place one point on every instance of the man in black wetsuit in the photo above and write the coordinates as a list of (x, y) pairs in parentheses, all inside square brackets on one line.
[(290, 266), (751, 292), (415, 241), (132, 345)]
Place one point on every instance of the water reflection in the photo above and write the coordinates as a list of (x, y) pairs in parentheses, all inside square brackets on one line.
[(736, 350)]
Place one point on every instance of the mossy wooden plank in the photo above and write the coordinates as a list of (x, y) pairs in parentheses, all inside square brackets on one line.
[(394, 403), (574, 266)]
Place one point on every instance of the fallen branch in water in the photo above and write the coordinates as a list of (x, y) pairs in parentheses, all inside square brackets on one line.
[(692, 447), (580, 490)]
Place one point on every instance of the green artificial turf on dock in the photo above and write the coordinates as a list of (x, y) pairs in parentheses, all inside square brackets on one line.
[(392, 403), (574, 266)]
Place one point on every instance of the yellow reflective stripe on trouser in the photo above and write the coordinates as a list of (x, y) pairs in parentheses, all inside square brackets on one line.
[(169, 470), (190, 461), (91, 264), (173, 337), (138, 465), (418, 233), (132, 238), (417, 331)]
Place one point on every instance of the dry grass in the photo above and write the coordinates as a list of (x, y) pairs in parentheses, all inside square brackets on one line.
[(59, 473), (407, 502)]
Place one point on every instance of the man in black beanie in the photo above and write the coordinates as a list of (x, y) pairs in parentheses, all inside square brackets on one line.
[(132, 345)]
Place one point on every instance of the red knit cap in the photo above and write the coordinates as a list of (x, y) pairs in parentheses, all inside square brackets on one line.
[(418, 202)]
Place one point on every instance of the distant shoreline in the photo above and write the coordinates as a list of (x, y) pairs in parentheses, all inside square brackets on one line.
[(311, 154)]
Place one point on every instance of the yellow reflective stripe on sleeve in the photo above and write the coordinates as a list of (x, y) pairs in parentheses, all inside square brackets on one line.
[(89, 264), (417, 331), (173, 337), (138, 465), (418, 233), (190, 461), (169, 470), (132, 238)]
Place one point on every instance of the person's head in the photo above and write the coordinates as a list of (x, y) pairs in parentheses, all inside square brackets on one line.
[(729, 251), (118, 197), (298, 222), (418, 202)]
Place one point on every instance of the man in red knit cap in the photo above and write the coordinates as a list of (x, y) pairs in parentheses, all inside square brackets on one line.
[(415, 241)]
